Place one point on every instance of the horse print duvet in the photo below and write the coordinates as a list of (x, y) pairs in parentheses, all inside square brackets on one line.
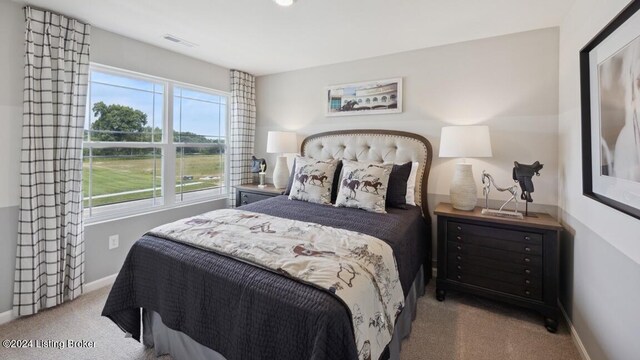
[(359, 269)]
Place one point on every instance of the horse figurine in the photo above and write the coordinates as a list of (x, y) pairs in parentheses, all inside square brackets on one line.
[(523, 174), (315, 178), (487, 181), (375, 184)]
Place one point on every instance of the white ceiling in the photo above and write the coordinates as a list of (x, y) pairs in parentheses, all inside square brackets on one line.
[(261, 37)]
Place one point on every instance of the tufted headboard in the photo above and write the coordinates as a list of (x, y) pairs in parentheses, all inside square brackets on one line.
[(376, 146)]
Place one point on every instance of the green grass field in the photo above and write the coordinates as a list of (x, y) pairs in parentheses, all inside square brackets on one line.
[(134, 176)]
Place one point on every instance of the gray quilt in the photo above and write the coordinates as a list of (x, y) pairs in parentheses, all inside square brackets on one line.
[(246, 312)]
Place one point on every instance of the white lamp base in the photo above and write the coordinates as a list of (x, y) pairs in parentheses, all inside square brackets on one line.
[(464, 194), (281, 173)]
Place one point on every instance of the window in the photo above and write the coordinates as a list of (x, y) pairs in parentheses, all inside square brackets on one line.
[(199, 125), (138, 130)]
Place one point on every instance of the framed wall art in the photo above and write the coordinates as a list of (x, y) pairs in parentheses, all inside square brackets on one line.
[(365, 98), (610, 102)]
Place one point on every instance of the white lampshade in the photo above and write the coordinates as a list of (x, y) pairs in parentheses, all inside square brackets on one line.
[(281, 142), (465, 141)]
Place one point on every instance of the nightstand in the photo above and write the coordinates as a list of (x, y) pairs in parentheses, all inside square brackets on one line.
[(250, 193), (510, 260)]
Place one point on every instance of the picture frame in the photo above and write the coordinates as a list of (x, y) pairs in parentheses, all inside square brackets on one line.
[(610, 87), (364, 98)]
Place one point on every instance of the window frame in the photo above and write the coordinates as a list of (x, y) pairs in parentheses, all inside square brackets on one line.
[(168, 149)]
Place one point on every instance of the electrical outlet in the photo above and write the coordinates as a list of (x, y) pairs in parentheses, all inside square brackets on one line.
[(114, 241)]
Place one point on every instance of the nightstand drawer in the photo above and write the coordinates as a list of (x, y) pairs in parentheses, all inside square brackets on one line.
[(249, 197), (490, 242), (493, 264), (458, 228), (455, 269), (512, 289), (459, 249)]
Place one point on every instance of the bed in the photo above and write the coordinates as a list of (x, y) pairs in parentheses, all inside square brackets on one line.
[(198, 304)]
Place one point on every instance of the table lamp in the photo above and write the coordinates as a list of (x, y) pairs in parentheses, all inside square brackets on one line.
[(281, 142), (464, 142)]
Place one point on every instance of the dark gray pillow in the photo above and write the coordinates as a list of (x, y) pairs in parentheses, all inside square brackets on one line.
[(336, 182), (397, 188)]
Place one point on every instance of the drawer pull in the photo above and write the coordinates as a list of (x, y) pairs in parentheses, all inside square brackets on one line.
[(527, 260), (245, 196), (459, 228), (459, 257), (458, 277), (459, 247), (527, 271), (527, 281), (527, 249), (459, 237), (459, 267), (527, 238), (527, 292), (244, 202)]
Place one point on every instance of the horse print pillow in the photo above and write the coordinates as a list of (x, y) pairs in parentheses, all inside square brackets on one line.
[(312, 180), (364, 185)]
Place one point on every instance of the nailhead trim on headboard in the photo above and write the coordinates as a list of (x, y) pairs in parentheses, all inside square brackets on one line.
[(425, 157)]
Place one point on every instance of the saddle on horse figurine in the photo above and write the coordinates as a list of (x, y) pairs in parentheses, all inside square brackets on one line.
[(523, 175)]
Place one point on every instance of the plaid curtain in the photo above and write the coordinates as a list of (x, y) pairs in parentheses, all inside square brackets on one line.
[(242, 130), (50, 254)]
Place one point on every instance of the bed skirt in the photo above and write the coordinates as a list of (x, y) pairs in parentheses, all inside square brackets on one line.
[(180, 346)]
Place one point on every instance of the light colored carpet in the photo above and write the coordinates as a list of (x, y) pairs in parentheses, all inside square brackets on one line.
[(462, 327)]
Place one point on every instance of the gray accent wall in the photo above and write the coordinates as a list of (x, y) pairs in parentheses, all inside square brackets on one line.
[(600, 291), (8, 237)]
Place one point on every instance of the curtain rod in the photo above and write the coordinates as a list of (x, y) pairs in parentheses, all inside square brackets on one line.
[(55, 12)]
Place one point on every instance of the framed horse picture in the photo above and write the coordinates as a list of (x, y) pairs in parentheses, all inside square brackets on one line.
[(365, 98), (610, 101)]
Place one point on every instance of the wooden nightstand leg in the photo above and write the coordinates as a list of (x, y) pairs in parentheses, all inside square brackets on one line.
[(440, 294), (551, 324)]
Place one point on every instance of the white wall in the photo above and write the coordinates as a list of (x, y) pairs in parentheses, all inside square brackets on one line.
[(508, 82), (601, 257), (108, 49)]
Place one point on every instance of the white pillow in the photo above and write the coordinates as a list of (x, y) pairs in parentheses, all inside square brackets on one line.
[(411, 184)]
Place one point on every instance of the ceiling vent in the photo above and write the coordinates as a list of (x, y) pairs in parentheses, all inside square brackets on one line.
[(178, 40)]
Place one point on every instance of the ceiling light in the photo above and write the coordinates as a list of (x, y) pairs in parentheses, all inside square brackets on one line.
[(285, 2)]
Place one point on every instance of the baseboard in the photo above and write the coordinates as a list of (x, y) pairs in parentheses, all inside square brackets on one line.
[(574, 335), (100, 283), (8, 316)]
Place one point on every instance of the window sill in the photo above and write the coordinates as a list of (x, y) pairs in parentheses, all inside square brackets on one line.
[(127, 210)]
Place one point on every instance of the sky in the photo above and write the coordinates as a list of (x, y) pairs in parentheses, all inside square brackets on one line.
[(195, 111)]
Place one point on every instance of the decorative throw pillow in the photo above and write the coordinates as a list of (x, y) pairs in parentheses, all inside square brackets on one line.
[(364, 185), (397, 189), (312, 180)]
